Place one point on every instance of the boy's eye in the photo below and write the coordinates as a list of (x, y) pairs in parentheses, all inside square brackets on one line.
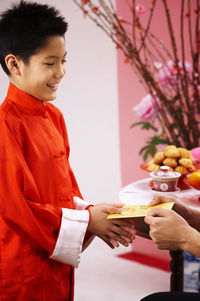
[(64, 61), (49, 64)]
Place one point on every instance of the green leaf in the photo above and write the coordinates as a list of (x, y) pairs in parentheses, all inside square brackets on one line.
[(146, 154), (144, 125), (151, 147), (143, 149)]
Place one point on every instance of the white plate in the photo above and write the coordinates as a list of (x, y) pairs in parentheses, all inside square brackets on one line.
[(140, 192), (136, 193), (165, 192)]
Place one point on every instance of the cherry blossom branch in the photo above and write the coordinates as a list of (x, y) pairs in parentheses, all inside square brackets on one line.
[(142, 49), (190, 29), (148, 26), (171, 31)]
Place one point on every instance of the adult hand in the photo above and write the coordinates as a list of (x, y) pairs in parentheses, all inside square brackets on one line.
[(111, 231), (157, 199), (168, 229), (179, 207), (141, 228)]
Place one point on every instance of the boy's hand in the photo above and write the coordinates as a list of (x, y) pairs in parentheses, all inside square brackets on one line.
[(111, 231)]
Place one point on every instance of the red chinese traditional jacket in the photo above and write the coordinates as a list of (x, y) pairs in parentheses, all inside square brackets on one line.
[(41, 225)]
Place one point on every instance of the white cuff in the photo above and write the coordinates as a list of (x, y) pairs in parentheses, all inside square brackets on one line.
[(70, 239), (79, 203)]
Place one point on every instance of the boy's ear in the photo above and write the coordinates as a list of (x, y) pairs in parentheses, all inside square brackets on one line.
[(13, 64)]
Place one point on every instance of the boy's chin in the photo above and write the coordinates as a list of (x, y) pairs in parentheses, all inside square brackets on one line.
[(51, 98)]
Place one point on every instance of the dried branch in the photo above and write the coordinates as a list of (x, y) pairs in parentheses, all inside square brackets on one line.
[(133, 25), (171, 31), (148, 27), (190, 30)]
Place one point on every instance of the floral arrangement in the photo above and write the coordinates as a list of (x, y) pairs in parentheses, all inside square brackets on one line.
[(171, 108)]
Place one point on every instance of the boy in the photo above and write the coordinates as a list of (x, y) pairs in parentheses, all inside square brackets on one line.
[(44, 221)]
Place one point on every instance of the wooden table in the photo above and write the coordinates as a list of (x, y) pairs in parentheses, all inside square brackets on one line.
[(139, 192)]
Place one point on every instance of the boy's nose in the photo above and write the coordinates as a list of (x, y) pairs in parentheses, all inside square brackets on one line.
[(60, 72)]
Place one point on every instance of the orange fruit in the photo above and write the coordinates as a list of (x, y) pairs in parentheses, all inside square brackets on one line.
[(194, 179)]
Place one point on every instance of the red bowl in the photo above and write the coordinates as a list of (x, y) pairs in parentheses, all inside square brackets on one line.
[(182, 181)]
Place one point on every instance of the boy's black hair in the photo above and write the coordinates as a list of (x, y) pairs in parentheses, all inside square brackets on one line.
[(25, 27)]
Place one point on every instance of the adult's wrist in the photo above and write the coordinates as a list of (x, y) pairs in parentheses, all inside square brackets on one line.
[(182, 210), (192, 241), (193, 218)]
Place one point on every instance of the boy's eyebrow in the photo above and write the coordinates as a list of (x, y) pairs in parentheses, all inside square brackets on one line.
[(54, 56)]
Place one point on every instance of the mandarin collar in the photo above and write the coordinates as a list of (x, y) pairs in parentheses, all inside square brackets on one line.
[(25, 101)]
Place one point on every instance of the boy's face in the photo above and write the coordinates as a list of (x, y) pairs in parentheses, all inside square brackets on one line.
[(41, 76)]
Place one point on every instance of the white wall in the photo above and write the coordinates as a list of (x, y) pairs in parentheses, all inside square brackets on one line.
[(88, 100)]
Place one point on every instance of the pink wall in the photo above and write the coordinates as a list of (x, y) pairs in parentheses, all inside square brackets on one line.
[(131, 91)]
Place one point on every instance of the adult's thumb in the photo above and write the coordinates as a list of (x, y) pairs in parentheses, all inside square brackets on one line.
[(157, 199), (159, 212)]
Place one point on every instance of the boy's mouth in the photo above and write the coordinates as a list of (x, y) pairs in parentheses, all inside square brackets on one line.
[(53, 86)]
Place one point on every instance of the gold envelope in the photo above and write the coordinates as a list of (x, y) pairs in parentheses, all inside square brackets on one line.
[(138, 210)]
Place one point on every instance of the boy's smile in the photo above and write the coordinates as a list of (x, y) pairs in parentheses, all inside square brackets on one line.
[(41, 76)]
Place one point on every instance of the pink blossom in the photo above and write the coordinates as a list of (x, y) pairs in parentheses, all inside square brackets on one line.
[(195, 152), (157, 65), (140, 9), (169, 75), (197, 118), (146, 109)]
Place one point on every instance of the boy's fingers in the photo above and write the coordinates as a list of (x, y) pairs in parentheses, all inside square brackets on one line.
[(131, 231), (108, 241), (113, 240), (117, 205), (114, 243), (123, 222), (129, 240), (123, 241), (122, 231), (118, 238), (112, 209)]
